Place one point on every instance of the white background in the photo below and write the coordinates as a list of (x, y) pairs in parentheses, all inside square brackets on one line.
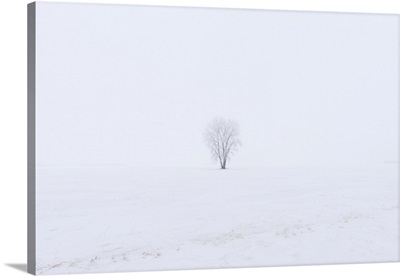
[(13, 131), (335, 70)]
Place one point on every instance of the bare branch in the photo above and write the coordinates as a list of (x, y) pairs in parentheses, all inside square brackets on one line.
[(222, 138)]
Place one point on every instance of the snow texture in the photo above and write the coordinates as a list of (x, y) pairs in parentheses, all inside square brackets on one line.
[(131, 219)]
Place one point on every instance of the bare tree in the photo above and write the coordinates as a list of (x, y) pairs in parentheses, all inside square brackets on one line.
[(222, 138)]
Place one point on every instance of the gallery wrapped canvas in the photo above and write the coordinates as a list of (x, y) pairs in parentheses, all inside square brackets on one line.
[(163, 138)]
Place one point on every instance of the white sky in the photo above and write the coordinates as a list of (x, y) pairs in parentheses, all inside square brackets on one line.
[(134, 85)]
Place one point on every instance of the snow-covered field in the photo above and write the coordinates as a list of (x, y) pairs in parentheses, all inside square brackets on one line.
[(131, 219)]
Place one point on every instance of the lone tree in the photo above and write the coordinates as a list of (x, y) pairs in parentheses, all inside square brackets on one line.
[(222, 138)]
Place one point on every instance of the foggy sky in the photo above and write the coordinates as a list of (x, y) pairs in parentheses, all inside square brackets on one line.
[(135, 85)]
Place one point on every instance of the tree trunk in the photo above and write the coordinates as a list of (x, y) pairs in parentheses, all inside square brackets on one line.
[(223, 166)]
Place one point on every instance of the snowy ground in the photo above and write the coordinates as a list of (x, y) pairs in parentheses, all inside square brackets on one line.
[(130, 219)]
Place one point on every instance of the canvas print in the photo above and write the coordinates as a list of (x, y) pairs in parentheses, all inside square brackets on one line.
[(164, 138)]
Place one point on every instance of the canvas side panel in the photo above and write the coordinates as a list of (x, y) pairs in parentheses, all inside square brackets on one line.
[(31, 138), (398, 137)]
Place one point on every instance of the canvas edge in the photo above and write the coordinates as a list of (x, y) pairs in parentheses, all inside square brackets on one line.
[(31, 153), (398, 134)]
